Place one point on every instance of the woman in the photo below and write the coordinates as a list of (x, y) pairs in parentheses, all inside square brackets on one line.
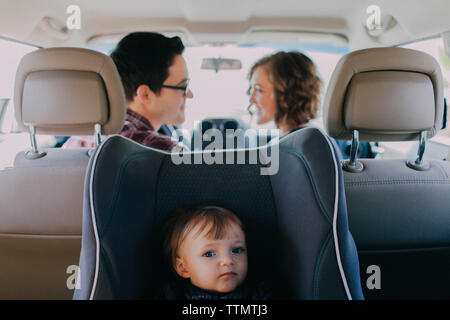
[(285, 88)]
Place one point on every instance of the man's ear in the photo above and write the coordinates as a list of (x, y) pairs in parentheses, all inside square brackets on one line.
[(144, 94), (181, 269)]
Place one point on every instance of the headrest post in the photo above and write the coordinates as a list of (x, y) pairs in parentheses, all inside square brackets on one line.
[(352, 165), (33, 139), (422, 143), (98, 134), (420, 164), (34, 152), (354, 147)]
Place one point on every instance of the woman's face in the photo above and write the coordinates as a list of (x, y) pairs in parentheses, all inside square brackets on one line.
[(262, 95)]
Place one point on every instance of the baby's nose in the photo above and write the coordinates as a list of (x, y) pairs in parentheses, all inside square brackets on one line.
[(226, 260)]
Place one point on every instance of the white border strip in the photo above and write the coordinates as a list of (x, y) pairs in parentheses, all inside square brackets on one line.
[(91, 201), (336, 202), (94, 222)]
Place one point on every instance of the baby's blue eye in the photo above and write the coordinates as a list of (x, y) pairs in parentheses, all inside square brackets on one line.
[(238, 250), (208, 254)]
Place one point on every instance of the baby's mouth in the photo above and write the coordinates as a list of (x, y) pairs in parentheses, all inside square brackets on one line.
[(229, 274)]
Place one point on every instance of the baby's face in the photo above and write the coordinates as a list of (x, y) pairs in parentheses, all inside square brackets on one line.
[(213, 265)]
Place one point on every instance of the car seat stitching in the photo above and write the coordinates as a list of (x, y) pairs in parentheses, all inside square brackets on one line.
[(319, 264), (438, 165), (41, 235), (117, 184), (93, 218), (158, 178), (406, 250), (107, 270), (371, 182), (338, 177), (308, 170)]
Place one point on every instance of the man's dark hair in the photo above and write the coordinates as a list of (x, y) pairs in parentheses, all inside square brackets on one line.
[(145, 58)]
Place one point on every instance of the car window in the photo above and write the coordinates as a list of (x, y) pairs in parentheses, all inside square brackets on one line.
[(11, 53), (11, 141), (435, 48)]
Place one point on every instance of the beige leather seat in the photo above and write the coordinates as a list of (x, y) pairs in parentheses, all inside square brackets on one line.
[(398, 211), (58, 91)]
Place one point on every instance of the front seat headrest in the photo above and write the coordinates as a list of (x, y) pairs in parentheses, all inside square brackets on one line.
[(66, 91), (387, 94)]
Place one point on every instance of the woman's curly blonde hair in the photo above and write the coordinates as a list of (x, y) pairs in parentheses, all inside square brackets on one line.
[(296, 84)]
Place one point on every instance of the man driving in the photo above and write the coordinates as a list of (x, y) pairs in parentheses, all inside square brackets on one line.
[(156, 84)]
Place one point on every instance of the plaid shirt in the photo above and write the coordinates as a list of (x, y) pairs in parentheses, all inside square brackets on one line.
[(136, 128), (139, 129)]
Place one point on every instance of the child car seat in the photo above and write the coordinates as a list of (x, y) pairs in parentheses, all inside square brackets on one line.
[(295, 217)]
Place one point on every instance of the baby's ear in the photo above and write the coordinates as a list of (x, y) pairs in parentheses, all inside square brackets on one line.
[(181, 269)]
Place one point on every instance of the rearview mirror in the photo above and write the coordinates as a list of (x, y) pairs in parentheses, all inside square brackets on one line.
[(221, 64)]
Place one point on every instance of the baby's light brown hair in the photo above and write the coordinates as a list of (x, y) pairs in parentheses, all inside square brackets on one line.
[(183, 221)]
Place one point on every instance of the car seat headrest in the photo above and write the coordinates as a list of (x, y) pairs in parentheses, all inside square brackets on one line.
[(387, 94), (66, 91)]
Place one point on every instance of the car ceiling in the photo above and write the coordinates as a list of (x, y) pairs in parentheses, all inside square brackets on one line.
[(42, 22)]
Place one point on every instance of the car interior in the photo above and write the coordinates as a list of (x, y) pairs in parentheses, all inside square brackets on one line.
[(366, 217)]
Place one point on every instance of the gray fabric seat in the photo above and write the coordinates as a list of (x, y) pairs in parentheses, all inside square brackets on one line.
[(398, 213), (59, 91), (295, 217)]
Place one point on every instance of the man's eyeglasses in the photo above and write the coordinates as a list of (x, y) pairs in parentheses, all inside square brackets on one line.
[(185, 88)]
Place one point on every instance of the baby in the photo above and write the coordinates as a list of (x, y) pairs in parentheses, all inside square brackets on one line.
[(206, 246)]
